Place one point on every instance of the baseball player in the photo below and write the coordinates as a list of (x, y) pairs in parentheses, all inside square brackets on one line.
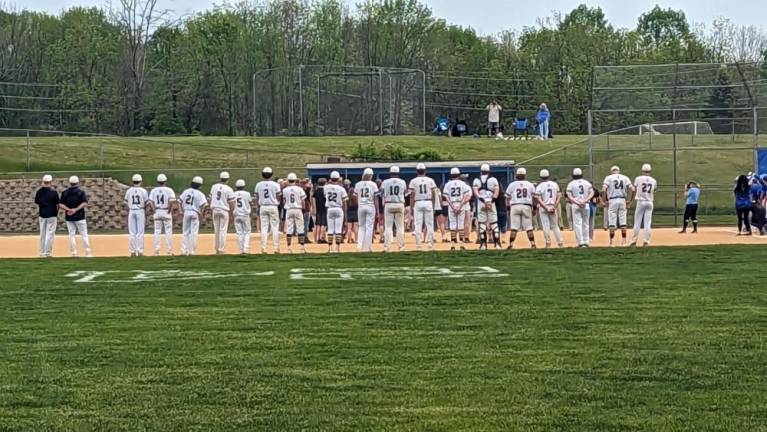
[(549, 196), (242, 212), (336, 198), (520, 194), (616, 188), (221, 204), (422, 191), (486, 190), (268, 193), (366, 190), (137, 200), (163, 200), (394, 191), (294, 197), (644, 187), (193, 203), (458, 194), (579, 194), (47, 200), (73, 201)]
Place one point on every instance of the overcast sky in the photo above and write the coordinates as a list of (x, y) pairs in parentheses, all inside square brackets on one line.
[(491, 16)]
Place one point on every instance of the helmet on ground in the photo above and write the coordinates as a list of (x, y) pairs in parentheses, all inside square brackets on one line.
[(161, 178), (137, 178), (239, 183)]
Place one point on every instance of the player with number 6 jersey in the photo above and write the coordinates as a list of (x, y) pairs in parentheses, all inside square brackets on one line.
[(366, 190), (394, 191), (645, 187), (294, 197), (520, 194), (422, 190), (242, 214), (268, 195), (163, 199), (617, 188)]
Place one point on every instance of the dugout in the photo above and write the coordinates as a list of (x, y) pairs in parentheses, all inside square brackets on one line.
[(503, 170)]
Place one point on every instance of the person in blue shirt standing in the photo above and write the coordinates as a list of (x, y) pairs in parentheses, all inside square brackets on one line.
[(743, 205), (542, 117), (692, 194)]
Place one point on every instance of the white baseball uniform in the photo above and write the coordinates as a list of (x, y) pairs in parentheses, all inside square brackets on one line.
[(394, 191), (422, 188), (136, 198), (192, 203), (163, 197), (617, 187), (579, 191), (645, 195), (268, 193), (293, 197), (485, 186), (335, 195), (520, 194), (242, 226), (455, 191), (221, 195), (366, 191), (549, 195)]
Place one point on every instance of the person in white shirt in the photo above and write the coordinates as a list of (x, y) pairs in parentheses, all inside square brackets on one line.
[(242, 214), (221, 204), (163, 199), (457, 194), (193, 203), (394, 191), (422, 191), (493, 118), (293, 197), (366, 190), (486, 190), (617, 188), (336, 199), (548, 195), (520, 194), (644, 190), (579, 194), (137, 200), (268, 194)]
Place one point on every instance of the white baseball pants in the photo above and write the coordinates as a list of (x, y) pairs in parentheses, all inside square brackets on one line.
[(47, 232), (163, 222), (366, 227), (643, 214), (423, 212), (136, 223), (335, 221), (616, 213), (550, 222), (294, 222), (242, 228), (190, 228), (394, 216), (80, 227), (580, 223), (455, 220), (270, 222), (220, 228)]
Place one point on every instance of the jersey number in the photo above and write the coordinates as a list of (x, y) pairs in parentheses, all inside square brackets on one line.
[(365, 193), (581, 190), (188, 200), (161, 199), (393, 190), (218, 195), (521, 193), (422, 189), (266, 194), (239, 202), (551, 193), (618, 184), (455, 192), (646, 187), (136, 200), (332, 196), (292, 199)]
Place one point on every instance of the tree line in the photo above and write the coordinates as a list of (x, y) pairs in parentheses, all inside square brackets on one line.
[(134, 69)]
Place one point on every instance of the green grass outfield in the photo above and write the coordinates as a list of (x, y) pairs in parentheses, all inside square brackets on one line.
[(572, 340)]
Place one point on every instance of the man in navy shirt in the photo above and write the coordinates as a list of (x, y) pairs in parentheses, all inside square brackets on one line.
[(73, 201), (47, 200)]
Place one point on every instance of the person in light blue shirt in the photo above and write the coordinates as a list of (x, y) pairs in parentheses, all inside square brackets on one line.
[(542, 117), (692, 194)]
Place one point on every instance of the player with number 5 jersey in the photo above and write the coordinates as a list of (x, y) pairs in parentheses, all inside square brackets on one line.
[(520, 194), (268, 194), (242, 215), (645, 187), (394, 191), (366, 190)]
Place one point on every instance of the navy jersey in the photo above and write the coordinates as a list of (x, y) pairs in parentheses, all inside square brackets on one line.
[(47, 200), (71, 198)]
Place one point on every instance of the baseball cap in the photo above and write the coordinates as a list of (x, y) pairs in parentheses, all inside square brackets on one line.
[(646, 168), (267, 170), (47, 178), (368, 171), (292, 177), (161, 178), (197, 179), (484, 167), (394, 169), (454, 171), (420, 166), (335, 175), (137, 178), (577, 172), (544, 173), (74, 180), (239, 183), (615, 168), (224, 175), (521, 171)]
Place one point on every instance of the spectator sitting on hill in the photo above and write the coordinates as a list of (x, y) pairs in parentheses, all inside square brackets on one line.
[(460, 128)]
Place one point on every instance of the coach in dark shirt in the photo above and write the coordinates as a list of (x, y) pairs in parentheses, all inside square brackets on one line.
[(47, 200), (321, 217), (73, 201)]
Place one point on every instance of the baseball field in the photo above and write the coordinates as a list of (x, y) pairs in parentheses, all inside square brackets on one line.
[(572, 340)]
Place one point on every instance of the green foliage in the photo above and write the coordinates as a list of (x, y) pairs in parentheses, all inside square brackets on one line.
[(395, 152)]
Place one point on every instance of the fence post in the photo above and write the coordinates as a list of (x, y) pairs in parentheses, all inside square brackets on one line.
[(101, 156), (29, 154), (380, 100), (673, 144), (589, 124), (247, 158), (755, 139)]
